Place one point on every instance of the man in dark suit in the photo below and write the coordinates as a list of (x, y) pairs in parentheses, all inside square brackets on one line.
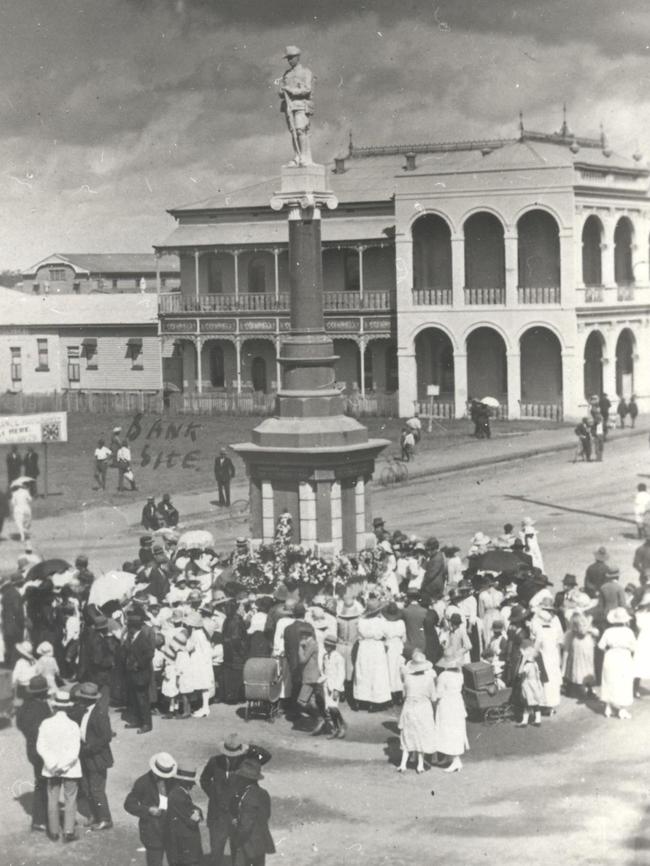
[(293, 634), (100, 657), (147, 802), (14, 465), (150, 518), (96, 756), (13, 617), (138, 657), (168, 514), (435, 571), (414, 614), (216, 781), (30, 466), (224, 472), (159, 573), (29, 716), (251, 812), (596, 572), (182, 833)]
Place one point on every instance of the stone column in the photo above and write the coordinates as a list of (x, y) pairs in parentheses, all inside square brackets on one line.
[(197, 286), (407, 378), (572, 376), (460, 384), (238, 362), (458, 270), (276, 273), (404, 271), (199, 364), (268, 512), (308, 525), (567, 269), (513, 364), (607, 253), (360, 511), (511, 244), (235, 256), (278, 366), (337, 516), (158, 284), (362, 365), (360, 251)]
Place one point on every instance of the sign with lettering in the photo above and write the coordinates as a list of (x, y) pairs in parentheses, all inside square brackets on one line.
[(337, 325), (378, 323), (257, 325), (218, 326), (39, 427)]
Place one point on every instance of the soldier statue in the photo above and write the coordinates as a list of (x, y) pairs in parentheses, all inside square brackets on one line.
[(296, 89)]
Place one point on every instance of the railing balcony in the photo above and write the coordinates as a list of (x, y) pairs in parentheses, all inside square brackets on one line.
[(432, 297), (248, 302), (485, 297), (594, 294), (537, 295), (625, 292)]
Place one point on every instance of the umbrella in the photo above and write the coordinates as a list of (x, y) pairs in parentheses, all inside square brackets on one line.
[(113, 586), (498, 560), (171, 388), (491, 401), (195, 539), (46, 568), (18, 482)]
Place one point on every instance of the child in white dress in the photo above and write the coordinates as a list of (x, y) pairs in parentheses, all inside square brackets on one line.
[(333, 666), (169, 688)]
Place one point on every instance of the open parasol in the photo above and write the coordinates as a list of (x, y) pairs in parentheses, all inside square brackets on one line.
[(18, 482), (113, 586), (498, 560), (195, 539), (492, 402), (46, 568)]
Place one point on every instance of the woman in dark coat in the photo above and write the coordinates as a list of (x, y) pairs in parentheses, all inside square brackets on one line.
[(235, 653)]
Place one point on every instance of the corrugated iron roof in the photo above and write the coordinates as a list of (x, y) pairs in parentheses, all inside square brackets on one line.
[(23, 310), (136, 264)]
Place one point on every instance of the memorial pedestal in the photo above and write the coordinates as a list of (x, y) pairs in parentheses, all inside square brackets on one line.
[(310, 458)]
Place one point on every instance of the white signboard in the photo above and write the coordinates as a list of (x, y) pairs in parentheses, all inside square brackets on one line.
[(433, 390), (40, 427)]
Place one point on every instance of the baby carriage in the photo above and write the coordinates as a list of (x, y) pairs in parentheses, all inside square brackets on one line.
[(483, 696), (262, 687)]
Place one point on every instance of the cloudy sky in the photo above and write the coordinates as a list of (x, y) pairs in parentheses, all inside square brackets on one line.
[(112, 111)]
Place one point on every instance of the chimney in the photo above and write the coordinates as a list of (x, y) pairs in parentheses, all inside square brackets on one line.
[(339, 164), (410, 162)]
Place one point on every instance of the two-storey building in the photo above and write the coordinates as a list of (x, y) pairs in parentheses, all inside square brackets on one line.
[(81, 273), (515, 268)]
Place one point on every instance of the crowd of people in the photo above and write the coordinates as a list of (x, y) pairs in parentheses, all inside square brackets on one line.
[(396, 625), (592, 430)]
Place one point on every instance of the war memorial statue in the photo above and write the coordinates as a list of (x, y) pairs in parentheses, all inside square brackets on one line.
[(296, 91)]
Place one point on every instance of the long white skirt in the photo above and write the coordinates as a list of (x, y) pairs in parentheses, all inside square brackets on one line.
[(617, 686), (371, 675)]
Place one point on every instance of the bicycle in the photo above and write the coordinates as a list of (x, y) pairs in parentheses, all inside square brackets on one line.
[(394, 472)]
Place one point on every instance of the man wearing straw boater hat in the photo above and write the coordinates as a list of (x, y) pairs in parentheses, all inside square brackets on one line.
[(96, 754), (216, 781), (182, 833), (251, 810), (29, 716), (147, 801)]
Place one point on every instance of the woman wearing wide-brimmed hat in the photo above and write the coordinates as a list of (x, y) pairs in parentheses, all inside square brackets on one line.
[(579, 654), (528, 534), (24, 669), (642, 651), (416, 722), (546, 631), (371, 675), (395, 629), (450, 726), (348, 613), (617, 681)]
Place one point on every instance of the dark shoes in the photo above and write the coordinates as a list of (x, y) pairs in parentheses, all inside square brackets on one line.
[(320, 727), (145, 729), (132, 725), (53, 837), (342, 731), (69, 837)]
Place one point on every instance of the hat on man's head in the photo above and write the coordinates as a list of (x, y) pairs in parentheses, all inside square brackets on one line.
[(45, 649), (250, 769), (88, 692), (601, 554), (612, 573), (151, 498), (185, 775), (25, 649), (292, 51), (618, 616), (232, 746), (517, 614), (570, 580), (330, 640), (61, 701), (37, 686), (163, 765), (377, 522), (117, 429), (145, 540)]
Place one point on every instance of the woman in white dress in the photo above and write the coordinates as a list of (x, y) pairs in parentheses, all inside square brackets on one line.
[(21, 509), (617, 684), (546, 632), (489, 604), (450, 725), (416, 722), (642, 651), (371, 675), (395, 629), (202, 674), (528, 534)]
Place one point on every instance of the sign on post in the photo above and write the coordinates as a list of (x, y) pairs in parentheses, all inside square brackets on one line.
[(41, 427)]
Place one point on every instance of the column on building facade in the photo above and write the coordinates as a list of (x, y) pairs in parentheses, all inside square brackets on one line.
[(278, 366), (513, 367), (235, 255), (158, 285), (404, 271), (360, 252), (511, 244), (407, 379), (578, 275), (460, 384), (308, 523), (197, 284), (640, 251), (642, 365), (567, 267), (607, 252), (276, 275), (238, 362), (609, 363), (360, 512), (458, 270), (362, 365), (572, 377), (198, 343), (268, 514), (337, 516)]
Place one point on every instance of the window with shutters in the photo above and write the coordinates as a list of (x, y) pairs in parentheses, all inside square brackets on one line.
[(16, 365), (74, 369), (43, 355)]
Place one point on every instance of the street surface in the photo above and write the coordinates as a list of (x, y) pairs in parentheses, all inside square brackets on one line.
[(573, 791)]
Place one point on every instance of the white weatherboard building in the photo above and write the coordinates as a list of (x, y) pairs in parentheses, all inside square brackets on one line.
[(516, 268)]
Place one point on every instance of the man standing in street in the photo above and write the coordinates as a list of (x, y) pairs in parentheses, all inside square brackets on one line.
[(30, 466), (251, 811), (150, 518), (96, 755), (293, 634), (102, 456), (604, 404), (216, 781), (29, 715), (224, 472), (13, 616), (596, 573), (147, 801), (124, 467), (138, 658), (14, 465)]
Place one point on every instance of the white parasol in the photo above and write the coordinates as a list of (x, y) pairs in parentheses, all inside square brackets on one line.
[(113, 586), (491, 401), (18, 482), (195, 539)]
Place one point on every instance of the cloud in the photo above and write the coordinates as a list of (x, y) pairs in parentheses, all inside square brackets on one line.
[(112, 112)]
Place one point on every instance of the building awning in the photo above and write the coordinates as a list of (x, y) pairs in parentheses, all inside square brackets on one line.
[(134, 342), (273, 232), (89, 342)]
